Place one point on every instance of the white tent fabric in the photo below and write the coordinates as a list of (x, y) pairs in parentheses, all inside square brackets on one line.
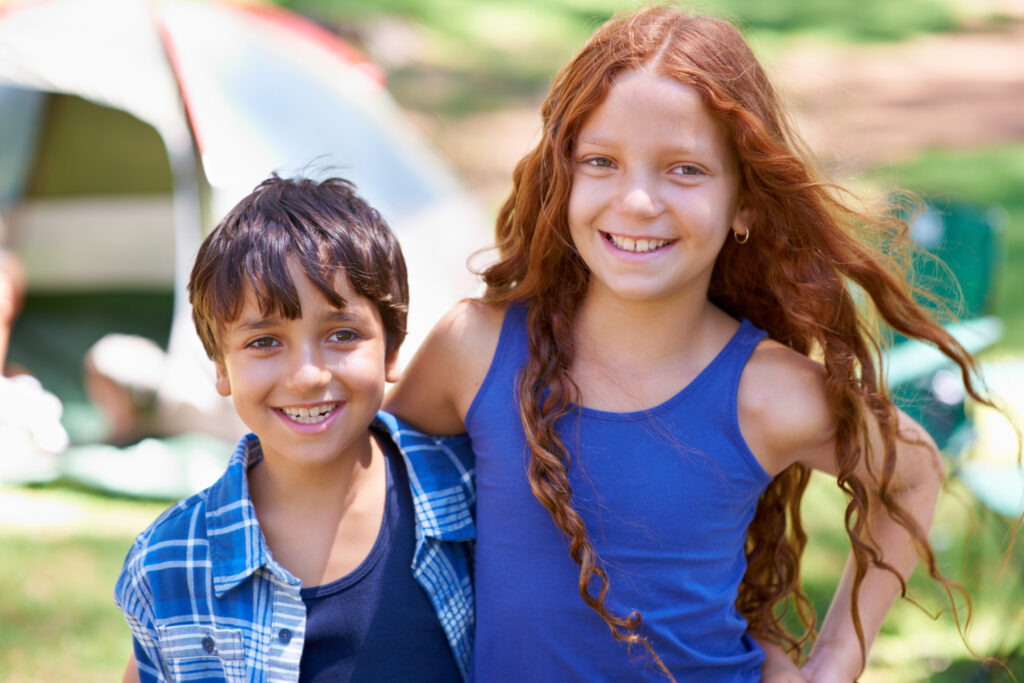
[(236, 91)]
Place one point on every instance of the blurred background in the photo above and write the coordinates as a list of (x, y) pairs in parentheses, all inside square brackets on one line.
[(127, 128)]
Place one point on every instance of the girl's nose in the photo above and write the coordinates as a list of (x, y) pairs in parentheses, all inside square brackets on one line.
[(639, 198)]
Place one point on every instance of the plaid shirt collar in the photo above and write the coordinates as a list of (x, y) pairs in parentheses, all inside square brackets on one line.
[(444, 510)]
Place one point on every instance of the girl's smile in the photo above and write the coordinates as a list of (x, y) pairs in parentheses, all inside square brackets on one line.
[(637, 245)]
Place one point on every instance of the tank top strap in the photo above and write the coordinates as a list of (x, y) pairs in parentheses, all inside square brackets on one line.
[(725, 380), (735, 355)]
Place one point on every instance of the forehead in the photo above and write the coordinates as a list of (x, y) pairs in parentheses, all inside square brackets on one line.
[(269, 302), (645, 107)]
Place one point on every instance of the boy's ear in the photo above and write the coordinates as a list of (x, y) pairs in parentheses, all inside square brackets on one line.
[(392, 373), (223, 383)]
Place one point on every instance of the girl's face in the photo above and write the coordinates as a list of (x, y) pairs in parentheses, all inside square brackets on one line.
[(655, 192)]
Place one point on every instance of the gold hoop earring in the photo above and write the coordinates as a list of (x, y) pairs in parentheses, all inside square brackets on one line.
[(741, 240)]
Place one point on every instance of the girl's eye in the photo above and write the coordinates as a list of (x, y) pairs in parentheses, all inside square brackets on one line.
[(601, 162), (262, 343), (687, 170)]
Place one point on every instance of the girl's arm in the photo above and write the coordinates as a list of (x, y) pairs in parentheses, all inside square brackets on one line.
[(778, 667), (441, 380), (785, 419), (836, 655)]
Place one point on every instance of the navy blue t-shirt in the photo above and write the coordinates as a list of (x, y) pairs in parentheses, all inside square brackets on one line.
[(377, 623)]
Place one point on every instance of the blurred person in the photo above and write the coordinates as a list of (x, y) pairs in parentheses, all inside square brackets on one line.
[(12, 297), (336, 545), (125, 378), (31, 433)]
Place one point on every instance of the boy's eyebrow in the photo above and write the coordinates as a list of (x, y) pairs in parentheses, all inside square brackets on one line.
[(256, 324)]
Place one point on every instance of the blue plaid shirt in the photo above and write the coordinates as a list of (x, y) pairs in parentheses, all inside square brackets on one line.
[(206, 601)]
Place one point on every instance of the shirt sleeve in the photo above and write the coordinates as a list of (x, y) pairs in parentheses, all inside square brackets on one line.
[(133, 598), (461, 449)]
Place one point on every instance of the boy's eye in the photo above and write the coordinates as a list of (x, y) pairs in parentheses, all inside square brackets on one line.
[(344, 336)]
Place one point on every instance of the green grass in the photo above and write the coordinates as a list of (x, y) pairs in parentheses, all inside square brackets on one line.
[(921, 642), (62, 552)]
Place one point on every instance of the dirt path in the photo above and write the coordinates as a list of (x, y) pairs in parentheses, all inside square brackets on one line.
[(864, 106), (857, 106)]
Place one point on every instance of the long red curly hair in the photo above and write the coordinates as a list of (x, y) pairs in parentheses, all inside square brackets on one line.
[(815, 275)]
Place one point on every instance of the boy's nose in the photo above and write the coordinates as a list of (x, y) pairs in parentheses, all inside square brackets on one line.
[(308, 371)]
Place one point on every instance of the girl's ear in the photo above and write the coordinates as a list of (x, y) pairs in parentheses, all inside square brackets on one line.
[(223, 382), (742, 221)]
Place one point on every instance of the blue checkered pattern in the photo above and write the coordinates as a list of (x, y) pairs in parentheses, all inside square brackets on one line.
[(206, 602)]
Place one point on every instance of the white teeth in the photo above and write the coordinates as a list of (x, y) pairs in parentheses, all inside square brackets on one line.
[(310, 415), (640, 246)]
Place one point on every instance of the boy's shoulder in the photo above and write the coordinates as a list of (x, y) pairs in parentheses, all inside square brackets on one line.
[(426, 448), (187, 527), (441, 477)]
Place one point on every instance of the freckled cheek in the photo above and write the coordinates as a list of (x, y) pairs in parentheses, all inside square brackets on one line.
[(579, 212)]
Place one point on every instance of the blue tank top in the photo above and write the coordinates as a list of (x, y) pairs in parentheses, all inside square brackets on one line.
[(376, 623), (667, 495)]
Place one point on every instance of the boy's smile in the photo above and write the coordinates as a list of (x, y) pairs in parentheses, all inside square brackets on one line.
[(308, 387), (310, 415)]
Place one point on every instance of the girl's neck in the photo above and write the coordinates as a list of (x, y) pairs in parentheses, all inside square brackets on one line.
[(612, 327), (633, 356)]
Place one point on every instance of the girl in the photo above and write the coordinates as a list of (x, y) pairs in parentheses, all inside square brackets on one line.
[(672, 338)]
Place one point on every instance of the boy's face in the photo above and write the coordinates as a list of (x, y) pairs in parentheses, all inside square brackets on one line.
[(307, 387)]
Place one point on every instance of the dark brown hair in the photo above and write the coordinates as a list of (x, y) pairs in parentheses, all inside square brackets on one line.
[(814, 269), (327, 227)]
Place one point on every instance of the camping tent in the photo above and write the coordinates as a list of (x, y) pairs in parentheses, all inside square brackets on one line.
[(130, 126)]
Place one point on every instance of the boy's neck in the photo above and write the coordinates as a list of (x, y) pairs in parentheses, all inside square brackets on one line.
[(321, 522)]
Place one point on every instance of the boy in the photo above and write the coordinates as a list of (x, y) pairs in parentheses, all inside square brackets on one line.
[(296, 563)]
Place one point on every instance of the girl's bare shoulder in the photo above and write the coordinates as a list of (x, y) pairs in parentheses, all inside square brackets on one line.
[(783, 412), (440, 382)]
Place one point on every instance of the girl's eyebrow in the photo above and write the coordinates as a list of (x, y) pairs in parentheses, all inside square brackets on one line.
[(593, 140), (688, 147)]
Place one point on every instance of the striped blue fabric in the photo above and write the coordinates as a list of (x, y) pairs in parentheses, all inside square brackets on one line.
[(205, 600)]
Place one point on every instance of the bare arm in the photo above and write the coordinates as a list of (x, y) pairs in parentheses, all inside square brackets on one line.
[(441, 380), (131, 671), (785, 418), (777, 666), (919, 473)]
